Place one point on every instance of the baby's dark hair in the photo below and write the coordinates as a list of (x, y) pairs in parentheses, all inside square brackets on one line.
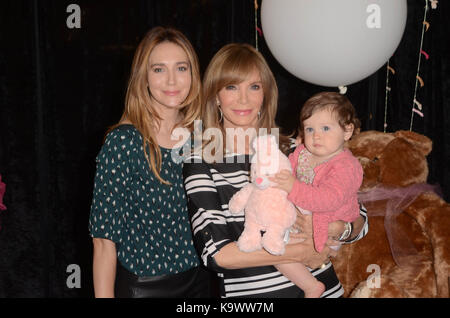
[(336, 103)]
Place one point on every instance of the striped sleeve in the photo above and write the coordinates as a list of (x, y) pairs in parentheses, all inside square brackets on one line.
[(208, 218), (365, 229)]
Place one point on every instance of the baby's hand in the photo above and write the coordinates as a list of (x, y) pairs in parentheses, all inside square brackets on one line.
[(284, 179)]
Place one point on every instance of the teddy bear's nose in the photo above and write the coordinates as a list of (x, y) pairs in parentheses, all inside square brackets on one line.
[(258, 180)]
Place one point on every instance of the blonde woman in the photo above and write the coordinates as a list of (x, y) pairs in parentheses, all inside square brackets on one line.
[(240, 98), (139, 221)]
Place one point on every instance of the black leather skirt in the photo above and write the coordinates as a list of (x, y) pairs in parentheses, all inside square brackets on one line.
[(194, 283)]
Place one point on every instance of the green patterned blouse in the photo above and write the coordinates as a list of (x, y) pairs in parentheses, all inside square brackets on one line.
[(146, 219)]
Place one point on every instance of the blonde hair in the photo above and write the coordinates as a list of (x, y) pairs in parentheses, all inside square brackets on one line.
[(138, 107), (232, 64)]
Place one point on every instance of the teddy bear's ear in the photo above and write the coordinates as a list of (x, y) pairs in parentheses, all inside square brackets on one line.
[(273, 140), (255, 143), (265, 140), (402, 164), (369, 143), (420, 142), (371, 170)]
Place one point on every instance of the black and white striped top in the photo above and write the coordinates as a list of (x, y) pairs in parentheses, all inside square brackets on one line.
[(209, 187)]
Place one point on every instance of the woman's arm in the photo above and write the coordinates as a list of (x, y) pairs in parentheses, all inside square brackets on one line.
[(215, 241), (360, 227), (230, 257), (108, 203), (104, 267)]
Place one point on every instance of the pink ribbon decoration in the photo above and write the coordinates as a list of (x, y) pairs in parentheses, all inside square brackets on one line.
[(259, 31), (397, 200), (425, 54), (419, 105), (434, 4), (2, 193), (418, 112)]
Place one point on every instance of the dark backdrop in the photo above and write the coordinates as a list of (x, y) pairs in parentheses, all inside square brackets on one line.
[(61, 88)]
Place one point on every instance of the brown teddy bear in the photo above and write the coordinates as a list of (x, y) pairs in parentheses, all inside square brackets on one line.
[(406, 252)]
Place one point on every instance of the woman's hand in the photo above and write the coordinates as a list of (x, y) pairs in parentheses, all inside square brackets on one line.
[(335, 229), (309, 256), (303, 225)]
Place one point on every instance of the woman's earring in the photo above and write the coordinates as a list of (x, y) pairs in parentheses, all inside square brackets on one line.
[(221, 114), (220, 110), (259, 115)]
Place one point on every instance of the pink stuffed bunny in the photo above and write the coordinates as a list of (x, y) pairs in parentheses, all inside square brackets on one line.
[(266, 208)]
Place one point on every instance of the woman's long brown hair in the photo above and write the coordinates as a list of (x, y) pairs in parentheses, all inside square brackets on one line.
[(138, 106)]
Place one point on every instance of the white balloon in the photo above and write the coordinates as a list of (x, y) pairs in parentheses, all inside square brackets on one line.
[(333, 42)]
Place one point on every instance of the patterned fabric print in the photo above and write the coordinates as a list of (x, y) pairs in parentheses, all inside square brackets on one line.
[(146, 219), (305, 171)]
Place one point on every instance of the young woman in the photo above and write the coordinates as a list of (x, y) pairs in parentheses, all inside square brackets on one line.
[(139, 221), (240, 95)]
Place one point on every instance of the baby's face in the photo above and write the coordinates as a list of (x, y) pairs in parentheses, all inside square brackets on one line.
[(323, 136)]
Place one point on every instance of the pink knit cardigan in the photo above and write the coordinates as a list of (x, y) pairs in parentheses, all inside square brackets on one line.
[(333, 194)]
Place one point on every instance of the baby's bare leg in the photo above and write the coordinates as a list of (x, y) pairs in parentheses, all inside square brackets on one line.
[(301, 276)]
